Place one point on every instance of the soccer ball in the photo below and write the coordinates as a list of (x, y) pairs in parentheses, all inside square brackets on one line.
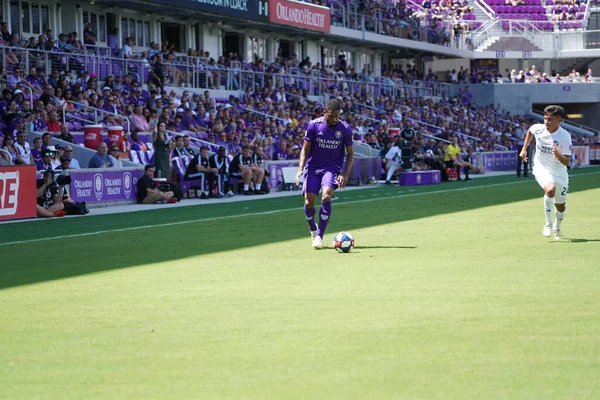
[(343, 242)]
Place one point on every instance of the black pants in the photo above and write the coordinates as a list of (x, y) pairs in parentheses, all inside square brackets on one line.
[(451, 164), (523, 164)]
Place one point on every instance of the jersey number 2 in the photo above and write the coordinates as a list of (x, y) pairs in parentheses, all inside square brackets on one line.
[(564, 191)]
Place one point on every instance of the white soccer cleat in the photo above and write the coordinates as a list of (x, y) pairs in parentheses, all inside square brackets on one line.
[(317, 243), (557, 234), (313, 235), (547, 230)]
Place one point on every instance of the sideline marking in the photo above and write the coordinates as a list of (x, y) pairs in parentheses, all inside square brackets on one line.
[(135, 228)]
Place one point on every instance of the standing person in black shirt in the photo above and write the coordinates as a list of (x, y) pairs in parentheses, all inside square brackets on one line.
[(244, 167), (220, 162), (200, 168), (408, 133)]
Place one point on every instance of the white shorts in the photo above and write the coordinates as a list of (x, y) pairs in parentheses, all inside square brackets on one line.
[(543, 177)]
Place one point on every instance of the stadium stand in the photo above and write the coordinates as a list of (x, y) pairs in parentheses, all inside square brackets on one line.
[(60, 85)]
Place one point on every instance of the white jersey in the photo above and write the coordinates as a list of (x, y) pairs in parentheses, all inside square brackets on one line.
[(394, 155), (544, 143)]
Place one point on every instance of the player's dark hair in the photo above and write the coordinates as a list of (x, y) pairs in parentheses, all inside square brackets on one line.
[(554, 110), (186, 136), (246, 148), (148, 166), (203, 148), (333, 105), (179, 137)]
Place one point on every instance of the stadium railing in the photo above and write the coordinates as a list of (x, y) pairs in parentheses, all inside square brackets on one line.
[(91, 115), (27, 89), (411, 29)]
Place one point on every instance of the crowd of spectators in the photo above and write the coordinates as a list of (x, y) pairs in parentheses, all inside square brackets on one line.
[(529, 75)]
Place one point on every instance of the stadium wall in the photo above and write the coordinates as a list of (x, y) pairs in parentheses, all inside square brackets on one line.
[(519, 98)]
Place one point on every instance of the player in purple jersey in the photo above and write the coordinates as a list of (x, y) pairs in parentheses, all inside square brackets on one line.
[(326, 141)]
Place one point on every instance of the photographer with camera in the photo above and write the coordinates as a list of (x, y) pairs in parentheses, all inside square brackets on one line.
[(53, 198), (50, 196)]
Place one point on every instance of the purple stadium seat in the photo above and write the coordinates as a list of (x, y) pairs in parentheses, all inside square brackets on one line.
[(133, 157)]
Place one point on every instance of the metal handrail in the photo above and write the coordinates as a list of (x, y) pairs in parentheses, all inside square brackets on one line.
[(24, 87), (468, 136), (304, 98), (263, 114), (435, 137), (425, 123), (487, 10), (97, 111), (567, 122)]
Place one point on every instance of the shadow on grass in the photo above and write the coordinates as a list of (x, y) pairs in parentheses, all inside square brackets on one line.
[(384, 247), (224, 229), (580, 240)]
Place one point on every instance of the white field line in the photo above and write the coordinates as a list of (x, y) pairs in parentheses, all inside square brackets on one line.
[(135, 228)]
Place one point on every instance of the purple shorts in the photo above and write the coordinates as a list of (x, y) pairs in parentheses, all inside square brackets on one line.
[(314, 181)]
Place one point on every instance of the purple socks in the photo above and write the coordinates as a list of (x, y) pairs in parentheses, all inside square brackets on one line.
[(324, 215), (309, 213)]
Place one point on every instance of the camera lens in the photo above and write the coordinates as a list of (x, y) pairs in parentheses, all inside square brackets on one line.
[(63, 180)]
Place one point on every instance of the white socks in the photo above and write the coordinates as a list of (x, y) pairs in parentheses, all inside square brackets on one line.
[(548, 206), (258, 185), (559, 218), (246, 187)]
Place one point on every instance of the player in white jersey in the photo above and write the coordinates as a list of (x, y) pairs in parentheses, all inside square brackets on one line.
[(552, 156), (394, 161)]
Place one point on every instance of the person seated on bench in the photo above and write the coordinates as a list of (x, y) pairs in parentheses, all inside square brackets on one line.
[(243, 167), (200, 169)]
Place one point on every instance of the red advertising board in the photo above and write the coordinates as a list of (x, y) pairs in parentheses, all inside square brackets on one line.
[(300, 15), (17, 192)]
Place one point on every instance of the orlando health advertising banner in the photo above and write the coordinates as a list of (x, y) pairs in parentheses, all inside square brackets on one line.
[(104, 185)]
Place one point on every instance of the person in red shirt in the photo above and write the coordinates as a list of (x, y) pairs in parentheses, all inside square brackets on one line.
[(52, 123)]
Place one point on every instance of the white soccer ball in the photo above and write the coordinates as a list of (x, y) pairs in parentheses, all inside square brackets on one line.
[(343, 242)]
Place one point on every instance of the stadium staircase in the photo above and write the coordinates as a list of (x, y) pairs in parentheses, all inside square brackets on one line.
[(485, 15)]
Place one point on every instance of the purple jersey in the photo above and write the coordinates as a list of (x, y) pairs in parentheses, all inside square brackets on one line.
[(328, 145)]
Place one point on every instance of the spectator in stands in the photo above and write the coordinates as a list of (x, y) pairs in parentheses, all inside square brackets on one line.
[(45, 163), (113, 158), (65, 163), (52, 122), (65, 134), (23, 149), (46, 140), (89, 36), (157, 75), (100, 159), (10, 153), (137, 145), (147, 193), (113, 42), (73, 162), (162, 148), (139, 121), (243, 167), (49, 197), (188, 146), (36, 152), (128, 48), (179, 150)]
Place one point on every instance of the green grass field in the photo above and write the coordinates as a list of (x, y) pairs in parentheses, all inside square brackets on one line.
[(449, 294)]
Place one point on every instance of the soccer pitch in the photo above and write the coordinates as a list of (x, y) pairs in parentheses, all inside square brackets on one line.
[(450, 293)]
